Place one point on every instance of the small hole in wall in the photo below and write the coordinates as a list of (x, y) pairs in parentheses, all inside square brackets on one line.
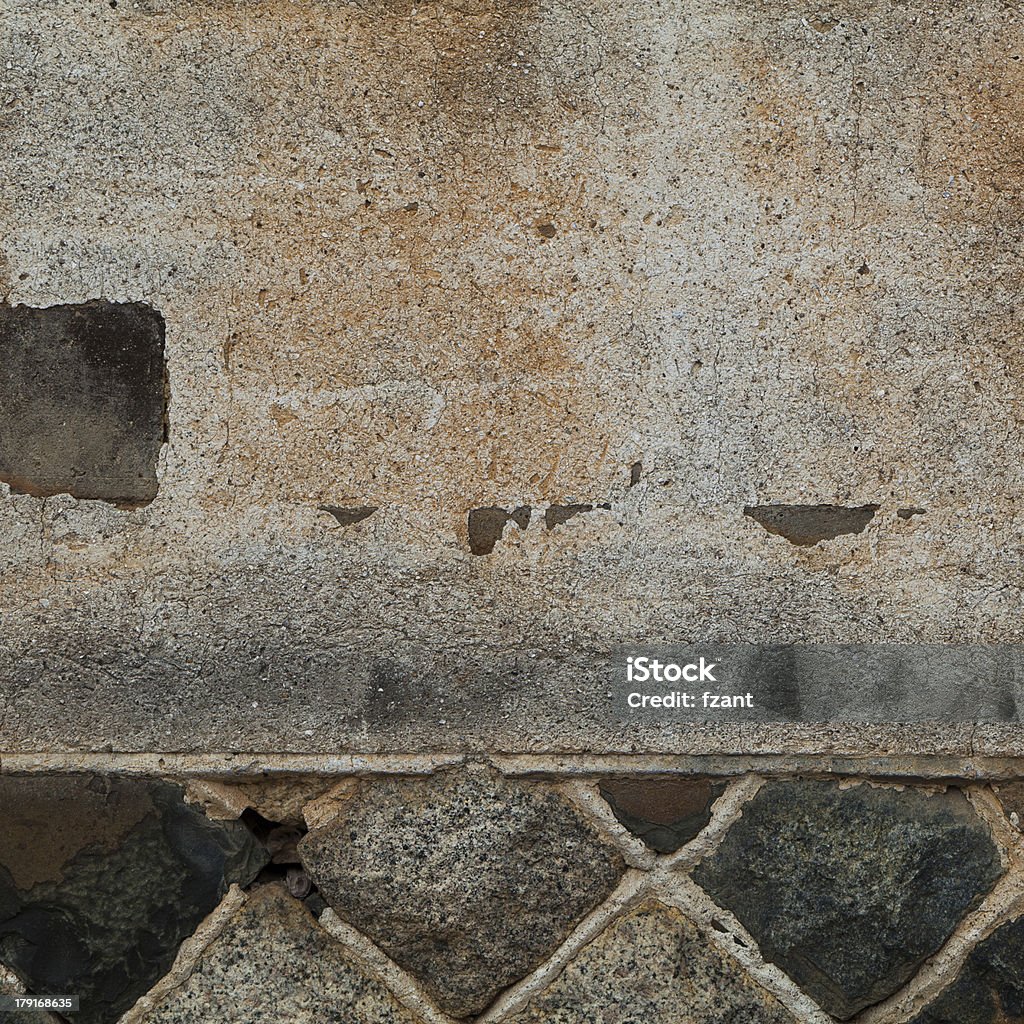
[(281, 840)]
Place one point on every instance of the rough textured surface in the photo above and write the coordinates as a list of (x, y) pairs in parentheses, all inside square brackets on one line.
[(664, 813), (466, 880), (653, 966), (496, 255), (989, 988), (273, 964), (848, 890), (1011, 797), (100, 881), (83, 400)]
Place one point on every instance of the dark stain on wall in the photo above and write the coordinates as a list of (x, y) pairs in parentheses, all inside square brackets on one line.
[(486, 526), (555, 515), (83, 400), (348, 516), (806, 525)]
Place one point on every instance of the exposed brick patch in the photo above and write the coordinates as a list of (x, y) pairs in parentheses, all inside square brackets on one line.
[(349, 516), (83, 400), (664, 813), (487, 526), (555, 515)]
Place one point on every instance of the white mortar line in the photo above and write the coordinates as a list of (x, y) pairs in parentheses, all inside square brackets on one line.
[(383, 969), (942, 768), (189, 954), (227, 766), (587, 798), (630, 890), (726, 811), (949, 767), (680, 891)]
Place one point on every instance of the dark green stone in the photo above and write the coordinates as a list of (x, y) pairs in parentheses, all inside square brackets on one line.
[(848, 890), (990, 986)]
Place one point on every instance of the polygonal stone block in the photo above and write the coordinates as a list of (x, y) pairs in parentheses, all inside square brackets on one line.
[(653, 966), (273, 963), (990, 986), (848, 890), (465, 879)]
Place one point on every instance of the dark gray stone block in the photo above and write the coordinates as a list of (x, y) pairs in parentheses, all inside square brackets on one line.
[(849, 890), (990, 986), (101, 879)]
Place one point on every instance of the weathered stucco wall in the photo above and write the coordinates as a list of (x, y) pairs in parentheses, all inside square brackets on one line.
[(677, 258)]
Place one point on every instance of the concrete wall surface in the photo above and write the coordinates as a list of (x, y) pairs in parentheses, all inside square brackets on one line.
[(499, 335)]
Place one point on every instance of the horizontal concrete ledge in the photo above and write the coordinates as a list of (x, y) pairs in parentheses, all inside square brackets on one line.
[(251, 765)]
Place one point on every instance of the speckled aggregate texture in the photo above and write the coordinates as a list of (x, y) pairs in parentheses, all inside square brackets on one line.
[(273, 964), (654, 966), (677, 257), (467, 881), (849, 890)]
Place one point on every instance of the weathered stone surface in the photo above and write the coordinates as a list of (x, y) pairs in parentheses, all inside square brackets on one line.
[(404, 267), (653, 966), (10, 985), (465, 879), (82, 400), (273, 964), (664, 813), (849, 889), (990, 986), (102, 878)]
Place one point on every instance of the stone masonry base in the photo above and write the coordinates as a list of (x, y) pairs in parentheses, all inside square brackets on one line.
[(438, 890)]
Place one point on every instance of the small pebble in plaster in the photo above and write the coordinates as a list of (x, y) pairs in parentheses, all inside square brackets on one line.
[(635, 472), (806, 525)]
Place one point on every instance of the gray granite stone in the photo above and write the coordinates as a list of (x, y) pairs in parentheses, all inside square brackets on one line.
[(990, 986), (653, 966), (664, 813), (102, 878), (273, 964), (465, 879), (849, 890)]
